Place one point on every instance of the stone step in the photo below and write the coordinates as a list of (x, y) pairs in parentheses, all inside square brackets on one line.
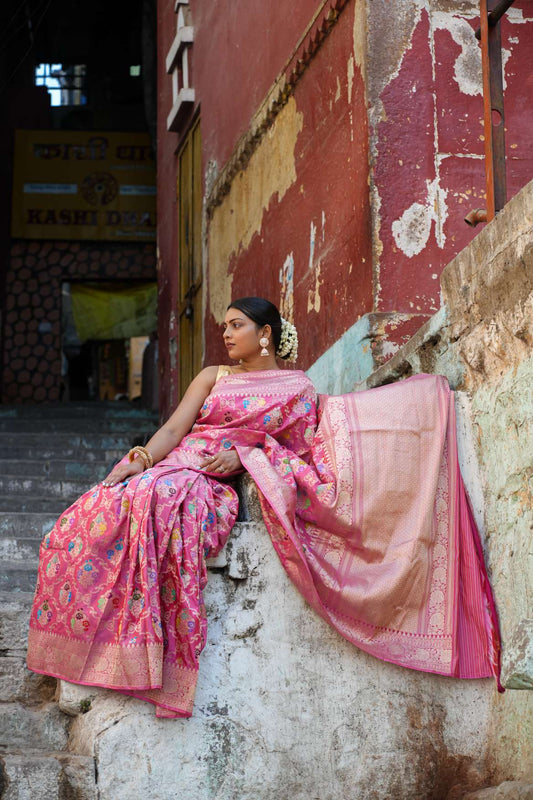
[(18, 576), (56, 503), (35, 504), (21, 535), (79, 441), (19, 684), (25, 525), (67, 425), (20, 557), (45, 728), (19, 549), (14, 621), (58, 776), (56, 469), (11, 485), (76, 410), (46, 450)]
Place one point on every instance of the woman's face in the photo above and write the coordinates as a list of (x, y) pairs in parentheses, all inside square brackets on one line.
[(241, 335)]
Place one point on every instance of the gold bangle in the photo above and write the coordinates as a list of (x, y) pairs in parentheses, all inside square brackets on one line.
[(144, 455), (132, 456)]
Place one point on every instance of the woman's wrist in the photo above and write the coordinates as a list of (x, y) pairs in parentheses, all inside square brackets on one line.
[(143, 455)]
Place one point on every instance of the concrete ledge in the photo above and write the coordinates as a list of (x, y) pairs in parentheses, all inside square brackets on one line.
[(286, 707), (420, 354)]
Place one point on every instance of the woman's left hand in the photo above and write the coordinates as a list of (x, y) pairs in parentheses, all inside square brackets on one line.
[(223, 462)]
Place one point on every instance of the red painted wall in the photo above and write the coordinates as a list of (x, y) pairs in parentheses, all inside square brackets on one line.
[(238, 51), (240, 47), (331, 193), (426, 162), (432, 131)]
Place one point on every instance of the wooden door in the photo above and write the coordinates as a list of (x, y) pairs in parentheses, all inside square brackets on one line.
[(190, 319)]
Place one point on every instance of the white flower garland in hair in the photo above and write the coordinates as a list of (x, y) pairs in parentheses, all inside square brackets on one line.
[(288, 345)]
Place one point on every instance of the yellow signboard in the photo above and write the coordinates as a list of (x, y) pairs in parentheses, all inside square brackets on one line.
[(83, 185)]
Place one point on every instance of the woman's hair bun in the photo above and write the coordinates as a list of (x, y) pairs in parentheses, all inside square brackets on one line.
[(288, 346)]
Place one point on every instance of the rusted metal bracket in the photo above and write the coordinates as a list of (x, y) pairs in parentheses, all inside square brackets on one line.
[(496, 14), (489, 34)]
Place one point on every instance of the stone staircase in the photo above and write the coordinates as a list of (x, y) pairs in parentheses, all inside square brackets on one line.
[(49, 455)]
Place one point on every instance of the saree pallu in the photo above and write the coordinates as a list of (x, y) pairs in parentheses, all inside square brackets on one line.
[(365, 507)]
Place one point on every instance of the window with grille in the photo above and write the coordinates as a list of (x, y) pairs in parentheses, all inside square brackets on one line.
[(66, 83)]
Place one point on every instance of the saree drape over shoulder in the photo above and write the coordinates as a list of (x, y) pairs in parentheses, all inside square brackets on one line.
[(365, 506)]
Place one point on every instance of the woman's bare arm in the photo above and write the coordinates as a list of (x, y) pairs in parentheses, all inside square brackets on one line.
[(180, 423), (172, 432)]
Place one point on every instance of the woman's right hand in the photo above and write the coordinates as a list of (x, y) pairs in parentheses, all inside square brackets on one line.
[(123, 471)]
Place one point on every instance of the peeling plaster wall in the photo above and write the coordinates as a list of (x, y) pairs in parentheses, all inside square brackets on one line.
[(426, 139), (354, 356), (365, 196), (240, 47), (295, 224), (270, 173), (285, 187), (422, 67), (482, 340)]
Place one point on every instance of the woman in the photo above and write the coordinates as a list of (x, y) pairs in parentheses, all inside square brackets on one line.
[(367, 513)]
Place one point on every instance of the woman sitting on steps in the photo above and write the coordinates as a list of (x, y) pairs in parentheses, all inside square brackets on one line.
[(363, 500)]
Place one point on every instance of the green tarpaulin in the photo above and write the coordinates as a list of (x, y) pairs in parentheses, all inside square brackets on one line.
[(114, 312)]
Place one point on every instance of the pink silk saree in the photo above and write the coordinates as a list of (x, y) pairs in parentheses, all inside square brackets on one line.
[(366, 508)]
